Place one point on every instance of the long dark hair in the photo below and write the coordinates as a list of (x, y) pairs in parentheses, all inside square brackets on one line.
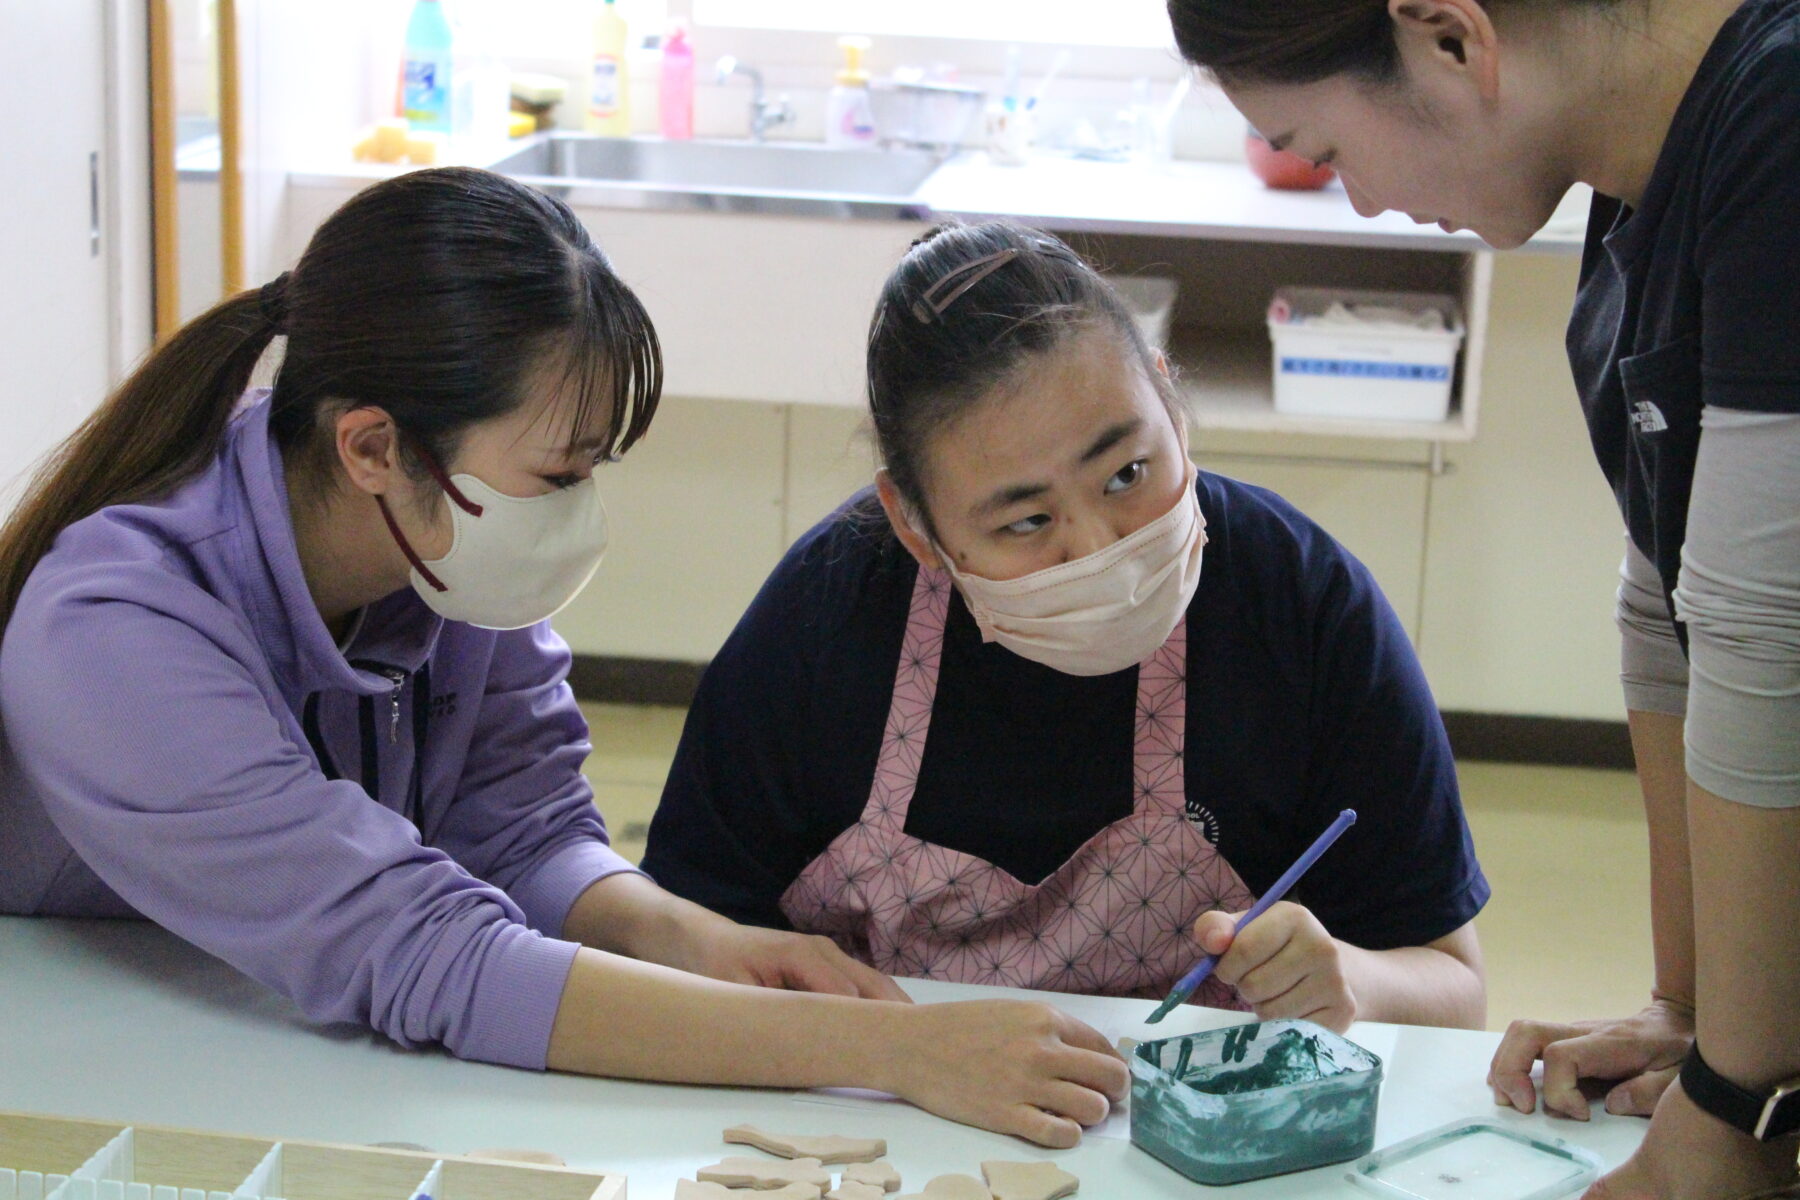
[(968, 307), (1296, 41), (441, 296)]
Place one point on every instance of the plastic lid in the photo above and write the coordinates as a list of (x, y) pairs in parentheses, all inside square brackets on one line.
[(853, 73), (1477, 1160)]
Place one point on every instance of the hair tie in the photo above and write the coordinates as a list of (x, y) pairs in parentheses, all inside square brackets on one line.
[(271, 298)]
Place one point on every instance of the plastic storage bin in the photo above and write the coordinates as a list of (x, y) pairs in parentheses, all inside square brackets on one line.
[(1377, 373), (1477, 1160), (1255, 1100)]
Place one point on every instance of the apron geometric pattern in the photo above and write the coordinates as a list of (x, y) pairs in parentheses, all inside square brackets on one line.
[(1116, 919)]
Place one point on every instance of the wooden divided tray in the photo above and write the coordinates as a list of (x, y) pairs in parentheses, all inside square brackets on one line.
[(56, 1158)]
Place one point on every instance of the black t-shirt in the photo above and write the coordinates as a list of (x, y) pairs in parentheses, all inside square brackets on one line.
[(1688, 300), (1304, 698)]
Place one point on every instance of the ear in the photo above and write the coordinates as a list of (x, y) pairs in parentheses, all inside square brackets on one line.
[(368, 448), (1162, 364), (1455, 35), (899, 516)]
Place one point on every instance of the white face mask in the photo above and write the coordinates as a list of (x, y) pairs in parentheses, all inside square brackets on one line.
[(513, 561), (1102, 613)]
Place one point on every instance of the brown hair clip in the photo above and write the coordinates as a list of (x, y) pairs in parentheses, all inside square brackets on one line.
[(932, 303)]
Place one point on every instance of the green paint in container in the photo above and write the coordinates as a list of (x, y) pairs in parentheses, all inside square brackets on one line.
[(1250, 1101)]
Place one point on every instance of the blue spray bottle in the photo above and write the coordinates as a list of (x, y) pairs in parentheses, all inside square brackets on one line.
[(425, 76)]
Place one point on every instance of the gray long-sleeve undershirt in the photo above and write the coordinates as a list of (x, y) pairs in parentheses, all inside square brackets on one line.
[(1739, 594)]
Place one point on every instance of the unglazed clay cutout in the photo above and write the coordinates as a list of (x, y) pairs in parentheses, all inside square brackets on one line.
[(852, 1190), (764, 1175), (1028, 1180), (827, 1148), (879, 1174), (687, 1189), (953, 1187)]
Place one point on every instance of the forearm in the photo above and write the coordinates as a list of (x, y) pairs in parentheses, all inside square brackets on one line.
[(1746, 909), (1656, 743), (1417, 985), (637, 1020), (629, 914)]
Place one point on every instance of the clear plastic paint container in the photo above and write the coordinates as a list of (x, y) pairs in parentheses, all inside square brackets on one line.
[(1251, 1101), (1477, 1160)]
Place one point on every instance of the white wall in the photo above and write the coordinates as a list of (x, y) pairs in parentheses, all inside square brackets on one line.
[(1525, 540)]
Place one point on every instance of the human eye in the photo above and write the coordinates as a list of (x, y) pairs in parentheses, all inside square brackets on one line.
[(1026, 526), (559, 482), (1127, 477)]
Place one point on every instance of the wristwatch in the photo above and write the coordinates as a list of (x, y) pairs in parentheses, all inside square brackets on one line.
[(1763, 1115)]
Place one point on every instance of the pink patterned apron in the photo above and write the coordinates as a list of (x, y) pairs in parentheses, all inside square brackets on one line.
[(1116, 919)]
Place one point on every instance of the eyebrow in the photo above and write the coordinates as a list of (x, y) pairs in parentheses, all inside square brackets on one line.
[(1111, 436), (592, 442)]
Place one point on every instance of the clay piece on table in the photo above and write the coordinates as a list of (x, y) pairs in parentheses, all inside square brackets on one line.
[(827, 1148), (880, 1174), (765, 1175), (953, 1187), (852, 1190), (688, 1189), (1028, 1180)]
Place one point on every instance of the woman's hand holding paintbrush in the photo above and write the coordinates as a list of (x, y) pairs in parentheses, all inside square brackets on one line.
[(1280, 958)]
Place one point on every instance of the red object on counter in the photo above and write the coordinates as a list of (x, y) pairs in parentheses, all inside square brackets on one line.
[(1284, 169)]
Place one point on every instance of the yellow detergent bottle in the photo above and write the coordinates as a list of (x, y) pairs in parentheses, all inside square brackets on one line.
[(609, 91)]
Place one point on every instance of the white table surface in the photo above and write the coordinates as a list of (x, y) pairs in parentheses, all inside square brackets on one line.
[(122, 1021)]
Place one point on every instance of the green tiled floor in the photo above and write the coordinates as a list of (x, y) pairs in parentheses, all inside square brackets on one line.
[(1567, 934)]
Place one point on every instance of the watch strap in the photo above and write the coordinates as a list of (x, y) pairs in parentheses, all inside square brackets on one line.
[(1764, 1116)]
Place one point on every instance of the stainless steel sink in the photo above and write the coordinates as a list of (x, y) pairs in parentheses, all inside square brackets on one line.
[(723, 176)]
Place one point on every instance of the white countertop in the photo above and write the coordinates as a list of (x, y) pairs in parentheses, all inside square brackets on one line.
[(122, 1021), (1205, 200), (1214, 200)]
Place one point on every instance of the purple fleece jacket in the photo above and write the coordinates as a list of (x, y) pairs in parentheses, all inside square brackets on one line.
[(392, 833)]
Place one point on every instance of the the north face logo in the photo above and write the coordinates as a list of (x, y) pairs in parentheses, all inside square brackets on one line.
[(1647, 418)]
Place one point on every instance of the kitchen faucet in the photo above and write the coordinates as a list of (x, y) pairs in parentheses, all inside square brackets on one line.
[(765, 114)]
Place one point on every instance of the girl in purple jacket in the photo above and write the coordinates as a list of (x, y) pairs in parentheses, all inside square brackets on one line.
[(277, 674)]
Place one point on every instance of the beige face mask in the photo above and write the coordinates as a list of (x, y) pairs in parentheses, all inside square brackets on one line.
[(1102, 613), (514, 560)]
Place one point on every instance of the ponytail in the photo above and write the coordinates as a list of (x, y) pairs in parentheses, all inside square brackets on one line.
[(158, 430)]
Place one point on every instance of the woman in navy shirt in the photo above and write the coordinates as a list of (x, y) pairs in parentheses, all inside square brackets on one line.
[(1685, 345), (1046, 696)]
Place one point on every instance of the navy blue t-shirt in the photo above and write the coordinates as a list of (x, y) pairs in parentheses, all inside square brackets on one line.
[(1688, 299), (1304, 698)]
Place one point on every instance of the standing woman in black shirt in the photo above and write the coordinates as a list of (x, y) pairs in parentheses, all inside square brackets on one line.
[(1685, 344)]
